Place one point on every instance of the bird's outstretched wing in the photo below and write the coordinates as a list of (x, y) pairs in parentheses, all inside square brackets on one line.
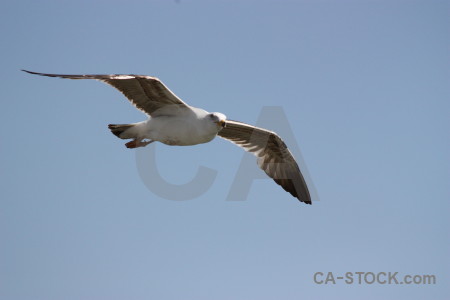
[(272, 154), (147, 93)]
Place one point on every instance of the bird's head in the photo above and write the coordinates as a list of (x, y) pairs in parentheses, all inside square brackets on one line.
[(218, 118)]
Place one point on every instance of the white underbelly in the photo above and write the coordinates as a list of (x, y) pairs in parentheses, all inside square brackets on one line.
[(179, 132)]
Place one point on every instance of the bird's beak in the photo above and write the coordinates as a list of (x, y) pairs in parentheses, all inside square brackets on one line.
[(221, 123)]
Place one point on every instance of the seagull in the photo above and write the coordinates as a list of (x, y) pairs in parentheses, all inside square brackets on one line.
[(172, 122)]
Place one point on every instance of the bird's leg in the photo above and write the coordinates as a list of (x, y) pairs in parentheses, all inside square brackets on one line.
[(136, 143), (143, 144)]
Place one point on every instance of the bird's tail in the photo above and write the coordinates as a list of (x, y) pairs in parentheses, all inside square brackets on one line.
[(122, 130)]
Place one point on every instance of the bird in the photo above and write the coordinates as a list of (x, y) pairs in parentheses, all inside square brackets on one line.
[(173, 122)]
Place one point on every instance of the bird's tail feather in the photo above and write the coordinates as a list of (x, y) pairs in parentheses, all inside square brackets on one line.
[(121, 130)]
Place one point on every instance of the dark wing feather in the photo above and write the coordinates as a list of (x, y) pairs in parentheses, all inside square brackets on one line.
[(147, 93), (272, 154)]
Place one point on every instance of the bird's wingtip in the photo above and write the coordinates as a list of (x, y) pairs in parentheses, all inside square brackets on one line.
[(30, 72), (306, 201)]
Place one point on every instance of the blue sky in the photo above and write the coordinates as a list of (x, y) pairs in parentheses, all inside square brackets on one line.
[(364, 87)]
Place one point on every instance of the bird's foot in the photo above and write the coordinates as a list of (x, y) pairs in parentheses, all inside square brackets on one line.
[(131, 144), (137, 143)]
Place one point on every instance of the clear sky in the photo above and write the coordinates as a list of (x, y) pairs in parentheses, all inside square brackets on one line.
[(364, 88)]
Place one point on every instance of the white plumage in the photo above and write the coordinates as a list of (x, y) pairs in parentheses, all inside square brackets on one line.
[(172, 122)]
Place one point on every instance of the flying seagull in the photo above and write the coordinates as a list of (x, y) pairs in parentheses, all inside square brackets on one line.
[(172, 122)]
